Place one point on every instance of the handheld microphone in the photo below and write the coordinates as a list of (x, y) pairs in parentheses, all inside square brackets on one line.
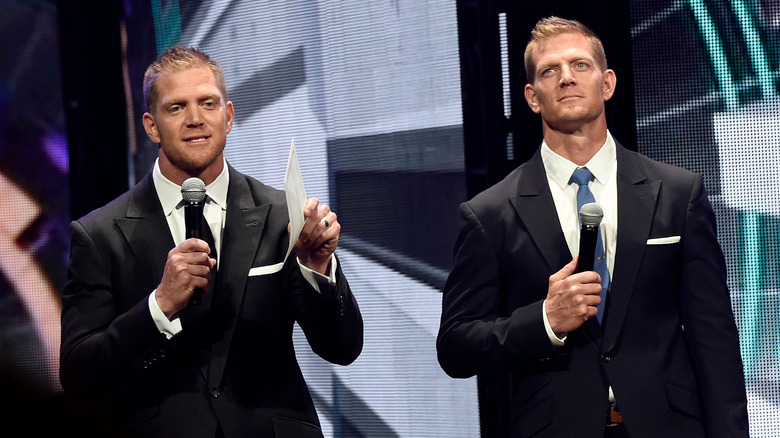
[(193, 192), (590, 217)]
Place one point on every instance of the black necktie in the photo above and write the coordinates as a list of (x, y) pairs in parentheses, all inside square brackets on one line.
[(209, 238), (200, 304)]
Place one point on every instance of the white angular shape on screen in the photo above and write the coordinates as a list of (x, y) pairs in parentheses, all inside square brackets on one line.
[(749, 150)]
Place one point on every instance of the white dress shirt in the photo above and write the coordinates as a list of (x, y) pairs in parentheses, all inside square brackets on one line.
[(603, 165)]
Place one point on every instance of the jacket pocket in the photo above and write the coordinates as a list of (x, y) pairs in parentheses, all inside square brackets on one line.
[(294, 428), (684, 400)]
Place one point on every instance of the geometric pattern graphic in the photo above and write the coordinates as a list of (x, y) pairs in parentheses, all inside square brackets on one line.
[(711, 104)]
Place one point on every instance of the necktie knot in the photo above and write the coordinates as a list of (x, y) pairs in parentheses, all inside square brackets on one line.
[(582, 176)]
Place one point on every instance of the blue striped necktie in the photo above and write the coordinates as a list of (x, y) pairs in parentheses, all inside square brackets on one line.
[(582, 177)]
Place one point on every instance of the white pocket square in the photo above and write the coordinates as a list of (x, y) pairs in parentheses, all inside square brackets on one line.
[(663, 240)]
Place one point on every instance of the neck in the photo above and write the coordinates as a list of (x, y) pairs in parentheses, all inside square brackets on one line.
[(178, 175), (577, 146)]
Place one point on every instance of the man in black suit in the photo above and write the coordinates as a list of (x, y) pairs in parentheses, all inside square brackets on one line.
[(664, 361), (133, 343)]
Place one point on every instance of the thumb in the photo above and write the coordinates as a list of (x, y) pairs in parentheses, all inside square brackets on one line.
[(567, 270)]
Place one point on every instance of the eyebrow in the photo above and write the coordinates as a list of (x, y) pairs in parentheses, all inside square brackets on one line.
[(181, 101)]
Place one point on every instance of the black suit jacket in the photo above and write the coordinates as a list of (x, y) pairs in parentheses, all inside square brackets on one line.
[(668, 345), (238, 367)]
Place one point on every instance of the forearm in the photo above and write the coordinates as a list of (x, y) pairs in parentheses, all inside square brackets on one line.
[(331, 320), (467, 347)]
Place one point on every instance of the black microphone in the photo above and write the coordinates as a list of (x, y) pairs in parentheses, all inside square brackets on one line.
[(193, 192), (590, 217)]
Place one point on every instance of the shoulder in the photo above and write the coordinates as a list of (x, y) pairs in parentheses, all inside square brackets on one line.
[(635, 166), (528, 179), (141, 193)]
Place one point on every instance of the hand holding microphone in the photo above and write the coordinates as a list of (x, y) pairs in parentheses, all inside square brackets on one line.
[(185, 268), (572, 299), (193, 192)]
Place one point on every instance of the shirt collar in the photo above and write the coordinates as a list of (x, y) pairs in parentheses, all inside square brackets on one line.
[(170, 193), (559, 169)]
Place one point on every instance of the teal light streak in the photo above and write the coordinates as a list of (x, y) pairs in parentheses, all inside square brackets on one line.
[(167, 24), (753, 308), (719, 61), (755, 49), (753, 305)]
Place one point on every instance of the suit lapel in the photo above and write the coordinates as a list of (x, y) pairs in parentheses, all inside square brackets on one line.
[(244, 225), (147, 233), (637, 196), (536, 210)]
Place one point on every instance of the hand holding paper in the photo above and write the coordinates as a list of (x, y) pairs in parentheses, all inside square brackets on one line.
[(314, 228), (319, 237)]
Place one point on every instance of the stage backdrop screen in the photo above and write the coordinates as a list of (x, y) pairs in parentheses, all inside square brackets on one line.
[(705, 76)]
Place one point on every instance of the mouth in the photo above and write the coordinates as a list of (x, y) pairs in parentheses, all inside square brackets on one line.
[(197, 138)]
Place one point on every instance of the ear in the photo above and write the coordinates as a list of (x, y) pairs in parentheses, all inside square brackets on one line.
[(610, 82), (531, 98), (150, 125), (229, 117)]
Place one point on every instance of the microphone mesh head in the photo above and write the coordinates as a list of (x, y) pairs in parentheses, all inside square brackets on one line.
[(591, 214), (193, 190)]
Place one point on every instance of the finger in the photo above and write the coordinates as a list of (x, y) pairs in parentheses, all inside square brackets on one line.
[(327, 230), (196, 258), (327, 220), (566, 271), (317, 223), (319, 217), (310, 207), (199, 271), (309, 211), (322, 227), (193, 245)]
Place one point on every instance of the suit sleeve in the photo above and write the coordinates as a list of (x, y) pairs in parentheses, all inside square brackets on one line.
[(331, 320), (476, 334), (103, 351), (708, 322)]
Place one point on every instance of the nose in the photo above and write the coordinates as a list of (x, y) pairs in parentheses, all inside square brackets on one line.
[(567, 78), (194, 117)]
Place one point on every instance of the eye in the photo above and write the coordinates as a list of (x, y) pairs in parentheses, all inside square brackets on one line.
[(580, 65), (173, 109)]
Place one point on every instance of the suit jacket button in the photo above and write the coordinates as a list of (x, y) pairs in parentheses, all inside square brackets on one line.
[(606, 358), (215, 391)]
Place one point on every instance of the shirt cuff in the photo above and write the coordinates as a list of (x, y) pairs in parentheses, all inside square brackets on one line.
[(554, 339), (317, 280), (166, 327)]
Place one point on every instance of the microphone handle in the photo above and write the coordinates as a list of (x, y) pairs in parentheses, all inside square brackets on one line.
[(588, 239), (193, 219), (193, 227)]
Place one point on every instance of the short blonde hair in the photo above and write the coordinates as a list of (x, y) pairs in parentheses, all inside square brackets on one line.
[(549, 27), (179, 58)]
